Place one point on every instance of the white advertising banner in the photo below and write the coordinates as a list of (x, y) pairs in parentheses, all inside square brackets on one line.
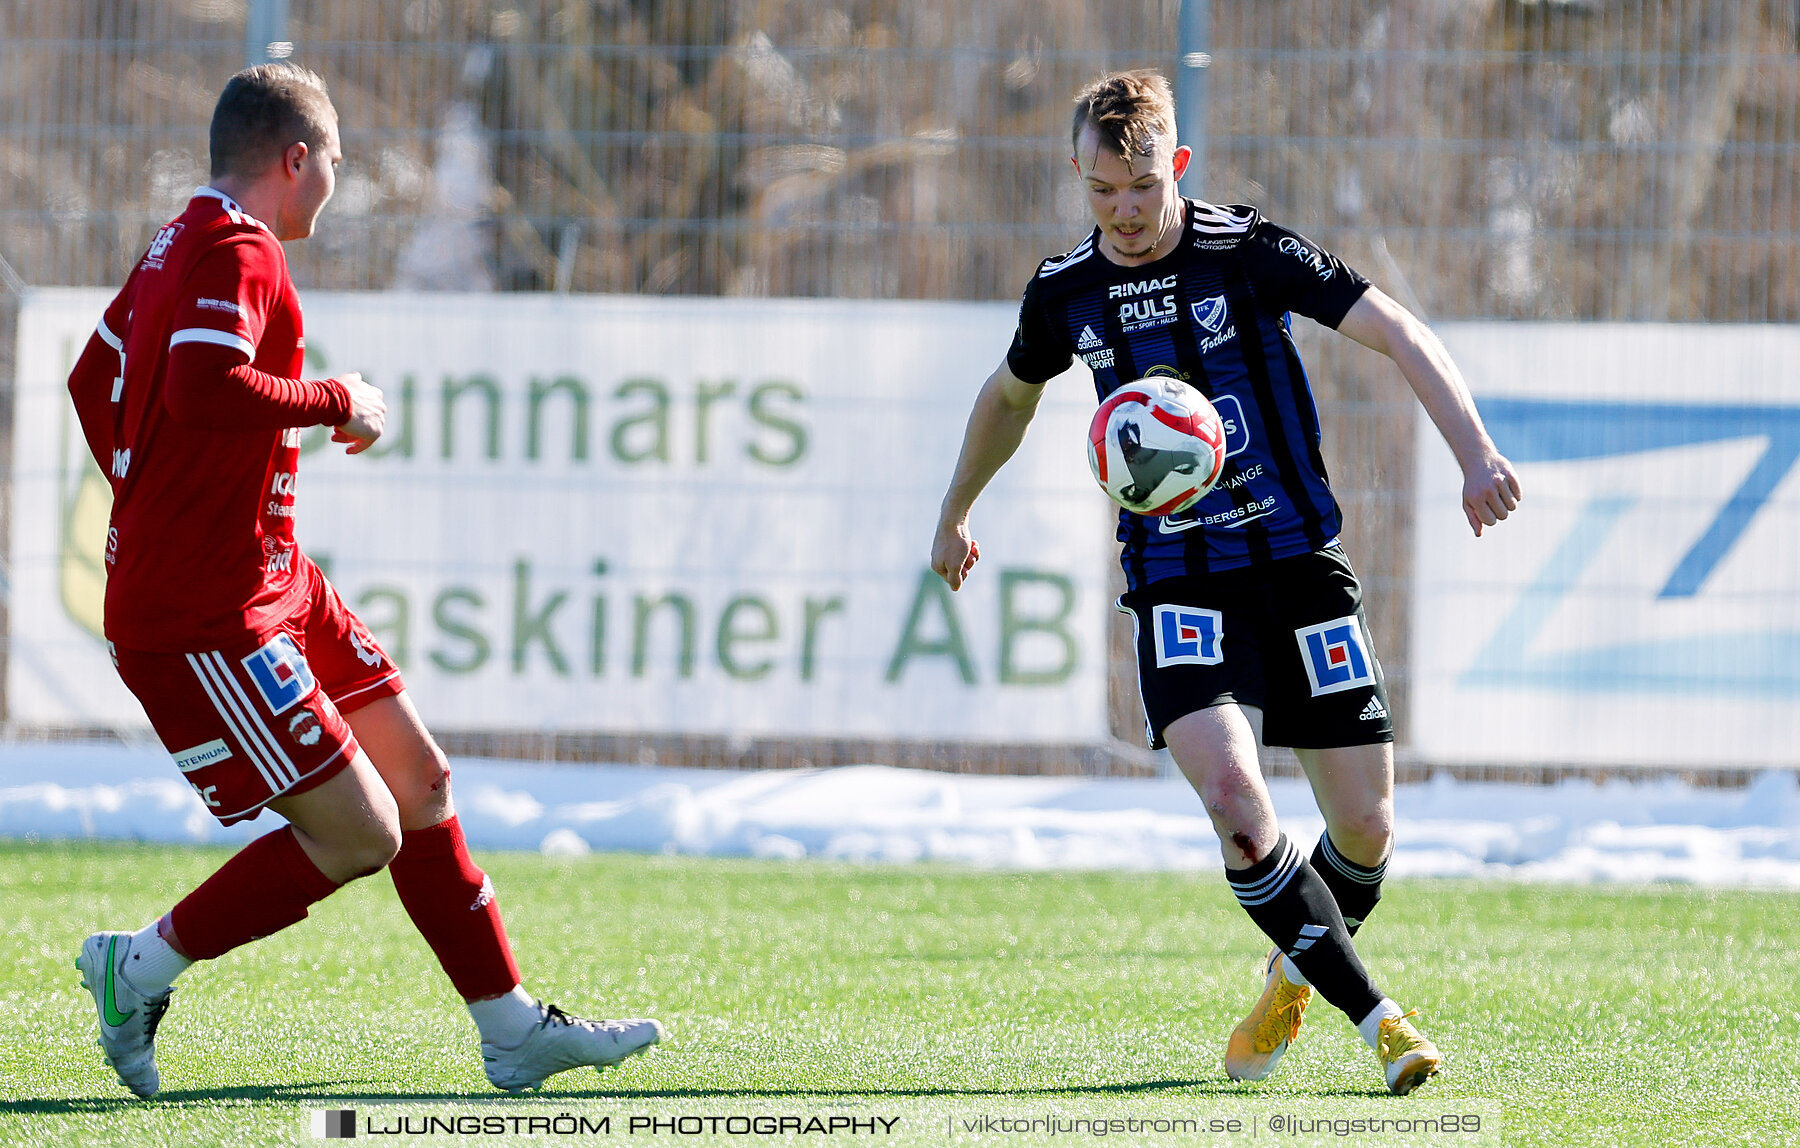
[(1643, 605), (624, 514)]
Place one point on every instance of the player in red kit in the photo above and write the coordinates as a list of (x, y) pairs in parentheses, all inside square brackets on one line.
[(264, 686)]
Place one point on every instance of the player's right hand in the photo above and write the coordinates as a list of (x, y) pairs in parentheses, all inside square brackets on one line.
[(954, 554), (368, 414)]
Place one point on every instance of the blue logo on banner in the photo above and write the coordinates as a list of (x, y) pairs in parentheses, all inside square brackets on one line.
[(280, 672), (1187, 635), (1540, 430), (1334, 656)]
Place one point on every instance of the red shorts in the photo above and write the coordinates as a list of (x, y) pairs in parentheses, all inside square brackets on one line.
[(263, 718)]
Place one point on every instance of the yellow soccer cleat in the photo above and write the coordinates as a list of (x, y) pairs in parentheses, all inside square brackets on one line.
[(1259, 1039), (1407, 1058)]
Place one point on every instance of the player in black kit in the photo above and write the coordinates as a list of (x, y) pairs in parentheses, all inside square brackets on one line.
[(1246, 599)]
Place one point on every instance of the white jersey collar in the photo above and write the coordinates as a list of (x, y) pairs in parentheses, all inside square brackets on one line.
[(237, 213)]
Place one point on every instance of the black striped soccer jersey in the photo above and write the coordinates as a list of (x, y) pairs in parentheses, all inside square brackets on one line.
[(1214, 312)]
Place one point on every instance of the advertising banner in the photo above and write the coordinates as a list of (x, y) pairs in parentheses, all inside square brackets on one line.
[(628, 514), (1643, 606)]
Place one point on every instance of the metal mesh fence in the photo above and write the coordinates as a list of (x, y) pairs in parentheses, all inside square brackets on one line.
[(1557, 159), (1617, 159)]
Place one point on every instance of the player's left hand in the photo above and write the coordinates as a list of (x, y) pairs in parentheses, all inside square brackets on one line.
[(1490, 491)]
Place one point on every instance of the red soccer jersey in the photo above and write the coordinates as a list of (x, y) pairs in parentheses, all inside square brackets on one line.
[(190, 399)]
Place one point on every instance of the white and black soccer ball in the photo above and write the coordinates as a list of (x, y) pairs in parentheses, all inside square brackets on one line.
[(1156, 446)]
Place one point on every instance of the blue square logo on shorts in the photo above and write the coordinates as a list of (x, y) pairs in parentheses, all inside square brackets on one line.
[(280, 672), (1187, 635), (1336, 656)]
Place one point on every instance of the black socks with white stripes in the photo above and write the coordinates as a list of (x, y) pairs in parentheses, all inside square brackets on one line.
[(1291, 903), (1356, 887)]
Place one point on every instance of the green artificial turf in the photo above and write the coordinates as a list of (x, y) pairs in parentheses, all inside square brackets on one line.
[(923, 994)]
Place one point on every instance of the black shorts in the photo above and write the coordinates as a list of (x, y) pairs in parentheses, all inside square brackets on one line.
[(1287, 636)]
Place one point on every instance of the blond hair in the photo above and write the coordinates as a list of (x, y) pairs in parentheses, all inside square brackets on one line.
[(1133, 112)]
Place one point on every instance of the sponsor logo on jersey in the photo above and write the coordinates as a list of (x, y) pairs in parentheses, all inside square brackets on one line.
[(1098, 360), (291, 437), (365, 654), (159, 247), (280, 673), (225, 305), (1313, 259), (121, 462), (1336, 656), (305, 728), (1140, 314), (283, 482), (201, 756), (1088, 341), (1237, 429), (1141, 287), (1247, 475), (1187, 635), (1240, 515)]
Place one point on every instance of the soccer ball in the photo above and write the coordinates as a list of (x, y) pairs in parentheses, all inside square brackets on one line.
[(1156, 446)]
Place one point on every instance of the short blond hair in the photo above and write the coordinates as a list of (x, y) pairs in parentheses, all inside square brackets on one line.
[(1133, 112)]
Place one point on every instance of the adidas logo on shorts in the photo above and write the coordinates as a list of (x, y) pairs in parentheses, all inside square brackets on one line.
[(1374, 711)]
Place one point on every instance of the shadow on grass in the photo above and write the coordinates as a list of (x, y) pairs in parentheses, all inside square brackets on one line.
[(335, 1090)]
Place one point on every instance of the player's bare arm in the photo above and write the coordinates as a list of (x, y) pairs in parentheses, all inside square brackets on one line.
[(1490, 488), (1003, 409)]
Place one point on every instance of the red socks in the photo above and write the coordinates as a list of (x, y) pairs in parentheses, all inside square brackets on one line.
[(265, 888), (270, 883), (452, 902)]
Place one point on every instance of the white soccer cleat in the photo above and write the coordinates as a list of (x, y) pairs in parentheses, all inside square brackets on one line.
[(561, 1042), (128, 1018)]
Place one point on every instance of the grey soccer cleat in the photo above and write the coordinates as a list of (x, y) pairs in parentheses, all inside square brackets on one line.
[(561, 1042)]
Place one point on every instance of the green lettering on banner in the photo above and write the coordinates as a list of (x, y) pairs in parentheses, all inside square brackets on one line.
[(932, 592), (453, 390), (598, 645), (460, 630), (705, 395), (398, 439), (578, 403), (640, 632), (1013, 623), (391, 627), (730, 636), (655, 420), (816, 612), (794, 432), (529, 626)]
